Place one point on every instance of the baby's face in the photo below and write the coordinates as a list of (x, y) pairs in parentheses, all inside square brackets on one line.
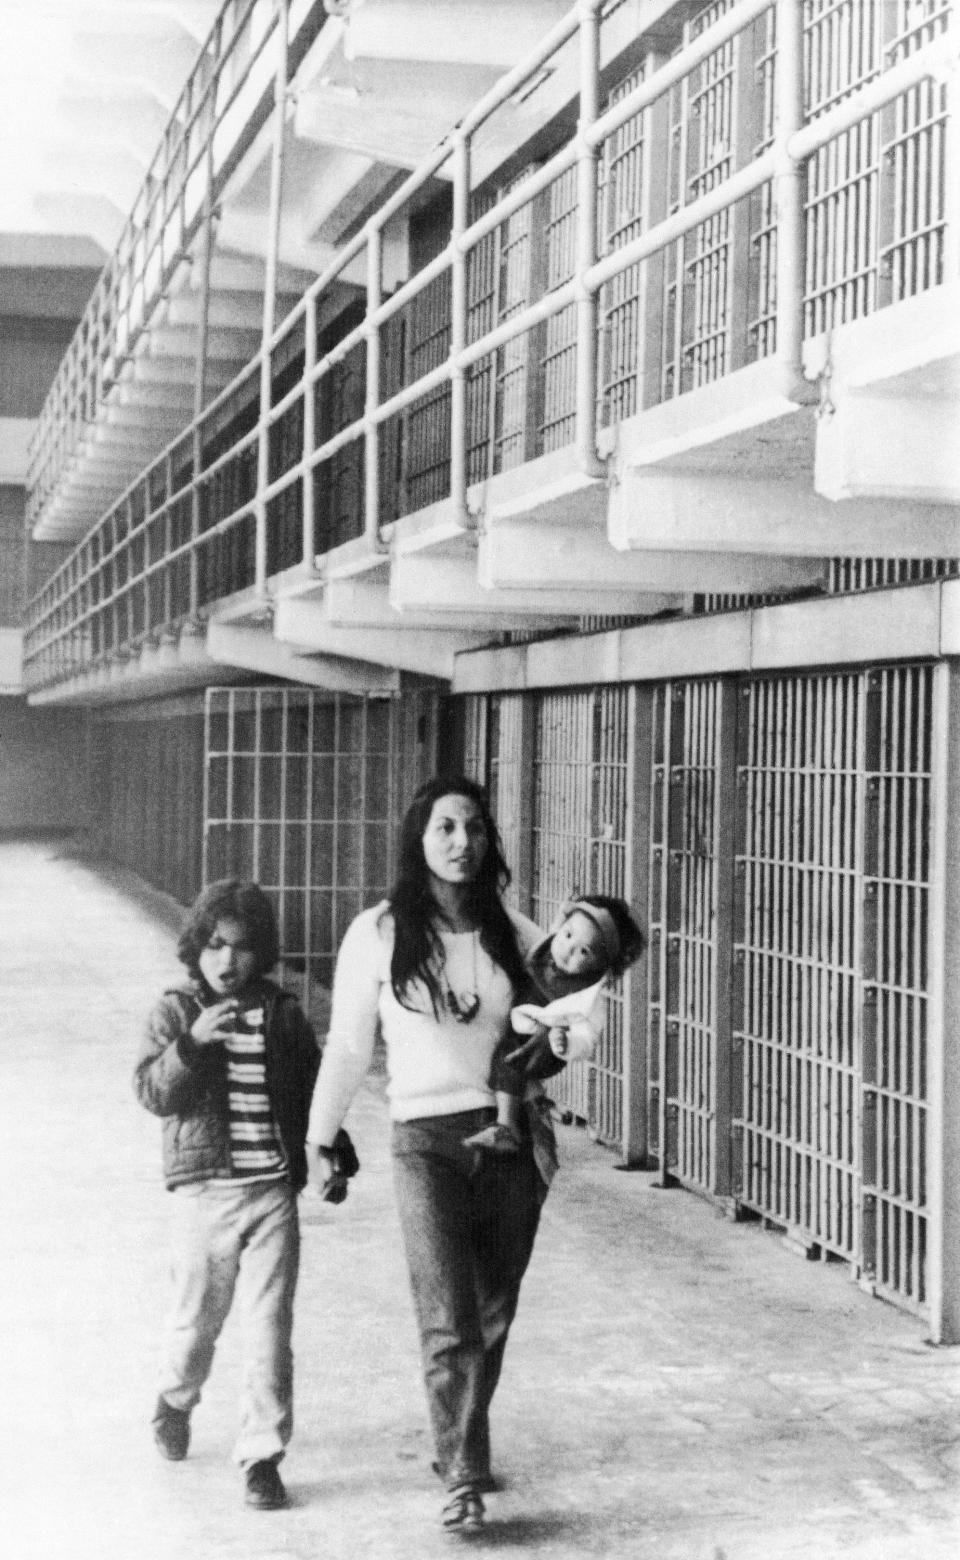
[(577, 948)]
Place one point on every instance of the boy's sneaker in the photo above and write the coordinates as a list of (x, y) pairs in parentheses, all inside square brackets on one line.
[(495, 1139), (264, 1487), (171, 1430)]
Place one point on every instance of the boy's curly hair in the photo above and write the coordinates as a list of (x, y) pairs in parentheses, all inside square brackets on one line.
[(233, 900)]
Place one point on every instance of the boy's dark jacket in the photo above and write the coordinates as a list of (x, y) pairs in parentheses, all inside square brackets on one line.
[(186, 1084)]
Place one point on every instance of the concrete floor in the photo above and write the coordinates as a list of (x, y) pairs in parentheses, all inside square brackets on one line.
[(676, 1386)]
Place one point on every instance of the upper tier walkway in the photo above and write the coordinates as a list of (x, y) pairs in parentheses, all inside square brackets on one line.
[(676, 1387)]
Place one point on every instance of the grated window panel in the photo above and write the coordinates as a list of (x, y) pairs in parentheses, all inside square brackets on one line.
[(621, 220), (914, 154), (698, 270), (562, 788), (797, 939), (842, 51), (507, 779), (683, 921), (299, 796), (560, 347), (512, 360), (482, 272), (611, 828), (896, 908), (427, 428)]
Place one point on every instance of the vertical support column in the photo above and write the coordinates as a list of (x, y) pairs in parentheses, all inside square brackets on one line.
[(788, 193), (371, 435), (639, 804), (309, 433), (458, 331), (725, 802), (951, 180), (943, 1079), (270, 295), (587, 301)]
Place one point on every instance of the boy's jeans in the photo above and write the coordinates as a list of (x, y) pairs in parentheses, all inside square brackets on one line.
[(468, 1220), (241, 1236)]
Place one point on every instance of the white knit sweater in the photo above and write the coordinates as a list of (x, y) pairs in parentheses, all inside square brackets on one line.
[(435, 1066)]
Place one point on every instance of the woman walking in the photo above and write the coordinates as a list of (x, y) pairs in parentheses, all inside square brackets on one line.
[(439, 964)]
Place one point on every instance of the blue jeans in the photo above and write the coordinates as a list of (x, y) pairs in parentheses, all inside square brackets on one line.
[(230, 1236), (468, 1221)]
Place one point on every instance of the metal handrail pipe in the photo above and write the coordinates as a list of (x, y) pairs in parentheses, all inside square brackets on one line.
[(735, 188), (552, 303), (410, 289)]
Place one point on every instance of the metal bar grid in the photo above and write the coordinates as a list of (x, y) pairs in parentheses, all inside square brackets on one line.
[(797, 940), (610, 831), (897, 867), (913, 149), (513, 359), (562, 785), (707, 271), (622, 199), (843, 51), (559, 362), (506, 778), (686, 860), (299, 796)]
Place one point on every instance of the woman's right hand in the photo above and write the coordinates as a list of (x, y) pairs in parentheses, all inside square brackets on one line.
[(215, 1023)]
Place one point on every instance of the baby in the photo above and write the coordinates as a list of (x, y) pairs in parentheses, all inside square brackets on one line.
[(594, 938)]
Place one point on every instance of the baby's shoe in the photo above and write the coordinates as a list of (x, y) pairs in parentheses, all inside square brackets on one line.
[(498, 1138)]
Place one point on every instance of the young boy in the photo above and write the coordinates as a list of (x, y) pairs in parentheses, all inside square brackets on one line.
[(594, 938), (229, 1062)]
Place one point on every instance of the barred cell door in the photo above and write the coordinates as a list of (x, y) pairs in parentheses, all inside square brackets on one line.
[(299, 795), (831, 927), (582, 822), (687, 1062)]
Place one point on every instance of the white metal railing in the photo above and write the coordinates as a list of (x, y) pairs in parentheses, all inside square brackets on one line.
[(62, 614), (178, 191)]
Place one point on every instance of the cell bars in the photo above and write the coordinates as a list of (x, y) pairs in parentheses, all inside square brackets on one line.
[(875, 194), (788, 999), (582, 821), (299, 795), (685, 867), (831, 928)]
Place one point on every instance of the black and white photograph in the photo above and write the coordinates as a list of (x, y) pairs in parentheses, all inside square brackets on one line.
[(480, 779)]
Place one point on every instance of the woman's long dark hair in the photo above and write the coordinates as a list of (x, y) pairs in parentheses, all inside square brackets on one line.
[(417, 949)]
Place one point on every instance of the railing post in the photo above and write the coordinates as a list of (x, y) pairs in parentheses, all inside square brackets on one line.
[(309, 432), (371, 432), (587, 300), (200, 379), (951, 181), (270, 297), (458, 330), (788, 193)]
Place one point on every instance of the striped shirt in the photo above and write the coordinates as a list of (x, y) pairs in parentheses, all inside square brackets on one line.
[(256, 1153)]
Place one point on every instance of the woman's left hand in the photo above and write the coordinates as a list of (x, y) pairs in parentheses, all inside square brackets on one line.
[(325, 1177), (534, 1058)]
